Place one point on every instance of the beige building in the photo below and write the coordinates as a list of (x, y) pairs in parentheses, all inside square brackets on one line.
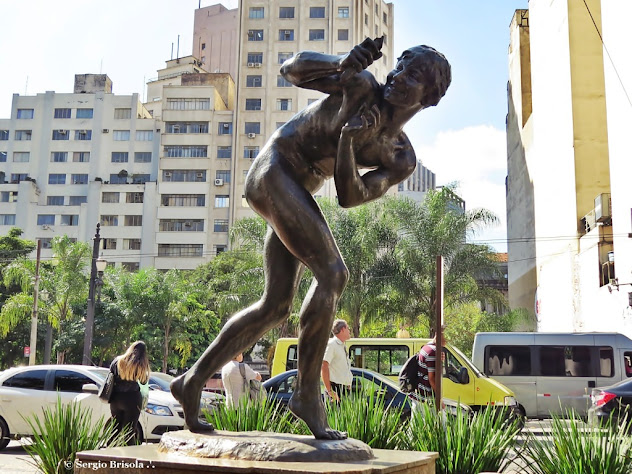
[(568, 202)]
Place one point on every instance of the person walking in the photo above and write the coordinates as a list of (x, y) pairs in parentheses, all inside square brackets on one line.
[(336, 370), (129, 369), (426, 374), (234, 382)]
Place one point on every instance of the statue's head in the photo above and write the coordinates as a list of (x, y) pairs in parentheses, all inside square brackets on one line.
[(422, 75)]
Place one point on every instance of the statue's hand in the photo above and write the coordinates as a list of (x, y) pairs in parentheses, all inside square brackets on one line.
[(360, 57), (361, 123)]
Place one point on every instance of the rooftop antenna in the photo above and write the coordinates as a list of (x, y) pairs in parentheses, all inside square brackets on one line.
[(26, 86), (101, 67), (178, 49), (171, 50)]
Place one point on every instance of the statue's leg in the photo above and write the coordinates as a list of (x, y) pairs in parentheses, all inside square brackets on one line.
[(282, 272)]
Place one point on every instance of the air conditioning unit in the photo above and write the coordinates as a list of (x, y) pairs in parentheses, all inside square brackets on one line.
[(257, 64), (83, 132), (167, 174), (62, 132), (252, 135), (199, 174), (105, 130), (251, 64), (219, 182), (603, 207)]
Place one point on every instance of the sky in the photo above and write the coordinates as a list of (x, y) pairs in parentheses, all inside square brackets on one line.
[(462, 140)]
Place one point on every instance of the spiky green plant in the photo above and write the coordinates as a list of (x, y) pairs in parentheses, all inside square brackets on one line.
[(367, 416), (64, 431), (577, 448), (466, 444)]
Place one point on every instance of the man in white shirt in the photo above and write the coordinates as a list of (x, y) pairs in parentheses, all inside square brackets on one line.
[(336, 370), (233, 381)]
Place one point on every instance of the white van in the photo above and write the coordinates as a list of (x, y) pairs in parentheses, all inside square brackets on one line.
[(553, 372)]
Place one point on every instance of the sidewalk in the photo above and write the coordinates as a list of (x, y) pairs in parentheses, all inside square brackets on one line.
[(14, 460)]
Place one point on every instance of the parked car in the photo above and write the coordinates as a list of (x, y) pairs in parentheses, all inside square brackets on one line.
[(614, 401), (161, 381), (25, 391)]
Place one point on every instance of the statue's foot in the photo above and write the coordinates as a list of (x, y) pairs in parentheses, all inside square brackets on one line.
[(312, 412), (189, 398)]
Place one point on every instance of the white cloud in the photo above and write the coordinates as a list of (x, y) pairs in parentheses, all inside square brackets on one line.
[(476, 158)]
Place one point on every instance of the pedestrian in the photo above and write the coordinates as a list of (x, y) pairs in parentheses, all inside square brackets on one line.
[(234, 382), (426, 374), (130, 369), (336, 370)]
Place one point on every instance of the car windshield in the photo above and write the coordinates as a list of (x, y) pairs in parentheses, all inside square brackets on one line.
[(382, 379), (101, 374), (162, 380), (467, 362)]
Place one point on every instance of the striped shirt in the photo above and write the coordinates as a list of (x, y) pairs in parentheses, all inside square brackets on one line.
[(427, 359)]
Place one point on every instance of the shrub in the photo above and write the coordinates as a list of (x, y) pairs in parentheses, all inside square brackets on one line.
[(63, 432)]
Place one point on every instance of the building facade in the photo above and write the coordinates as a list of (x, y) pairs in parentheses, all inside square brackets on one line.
[(568, 205)]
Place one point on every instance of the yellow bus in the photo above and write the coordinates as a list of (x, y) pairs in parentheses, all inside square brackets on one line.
[(462, 381)]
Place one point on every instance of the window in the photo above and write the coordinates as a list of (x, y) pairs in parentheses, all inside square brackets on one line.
[(221, 200), (183, 200), (225, 128), (83, 134), (46, 242), (316, 35), (255, 58), (606, 362), (343, 35), (18, 177), (255, 35), (224, 151), (140, 178), (188, 104), (130, 266), (366, 19), (286, 12), (55, 178), (111, 197), (253, 104), (282, 82), (121, 135), (284, 104), (286, 35), (184, 176), (120, 157), (30, 379), (23, 135), (84, 113), (244, 201), (186, 127), (223, 175), (131, 244), (219, 249), (279, 124), (385, 38), (118, 178), (385, 18), (203, 46), (55, 200), (69, 219), (377, 10), (253, 81), (284, 57), (62, 113), (61, 135), (25, 113), (4, 135), (507, 360), (134, 220), (120, 114), (252, 127), (569, 361), (3, 156), (7, 219), (142, 157), (137, 197), (376, 34), (311, 101), (220, 225), (181, 225), (81, 156), (251, 152), (186, 151), (343, 12), (110, 221), (21, 156), (70, 381), (59, 156), (46, 219), (179, 250), (317, 12), (78, 179), (255, 13), (108, 244), (8, 196), (148, 135), (77, 200), (387, 360)]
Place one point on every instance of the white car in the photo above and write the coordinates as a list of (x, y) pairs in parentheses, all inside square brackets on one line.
[(25, 391)]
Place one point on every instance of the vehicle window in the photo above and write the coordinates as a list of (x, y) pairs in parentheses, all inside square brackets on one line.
[(508, 360), (451, 365), (552, 361), (627, 362), (292, 358), (70, 381), (32, 379), (288, 385), (606, 362), (362, 384), (566, 361), (387, 360)]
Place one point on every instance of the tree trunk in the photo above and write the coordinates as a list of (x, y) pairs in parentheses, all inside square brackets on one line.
[(166, 348), (48, 344)]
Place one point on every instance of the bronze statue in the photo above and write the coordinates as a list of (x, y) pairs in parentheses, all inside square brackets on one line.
[(358, 125)]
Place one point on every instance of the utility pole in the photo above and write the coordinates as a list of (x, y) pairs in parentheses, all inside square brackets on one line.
[(87, 343), (439, 333), (33, 343)]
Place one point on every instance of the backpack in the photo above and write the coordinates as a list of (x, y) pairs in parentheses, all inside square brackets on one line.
[(254, 388), (409, 375)]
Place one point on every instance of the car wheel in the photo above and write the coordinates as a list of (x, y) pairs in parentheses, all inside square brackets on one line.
[(5, 436)]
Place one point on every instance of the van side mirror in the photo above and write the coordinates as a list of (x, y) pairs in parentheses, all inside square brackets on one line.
[(464, 376)]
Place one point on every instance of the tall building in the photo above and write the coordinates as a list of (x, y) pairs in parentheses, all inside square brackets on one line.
[(418, 183), (568, 199)]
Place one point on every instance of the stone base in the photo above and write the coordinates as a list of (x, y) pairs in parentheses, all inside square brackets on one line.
[(155, 460)]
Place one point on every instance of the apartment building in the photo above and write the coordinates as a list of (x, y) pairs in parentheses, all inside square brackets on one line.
[(418, 183), (568, 195)]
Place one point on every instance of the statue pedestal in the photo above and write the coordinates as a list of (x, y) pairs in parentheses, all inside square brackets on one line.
[(226, 452)]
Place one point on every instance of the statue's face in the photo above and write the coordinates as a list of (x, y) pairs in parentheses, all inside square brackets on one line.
[(405, 84)]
